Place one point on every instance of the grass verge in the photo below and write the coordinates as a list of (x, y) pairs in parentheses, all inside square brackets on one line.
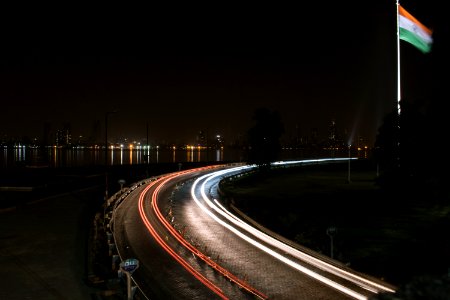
[(394, 235)]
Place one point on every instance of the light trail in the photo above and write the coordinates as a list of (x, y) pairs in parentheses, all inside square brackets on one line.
[(154, 204), (169, 250), (193, 249), (306, 257), (362, 282)]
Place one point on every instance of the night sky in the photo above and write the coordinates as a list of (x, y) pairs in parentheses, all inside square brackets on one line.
[(181, 69)]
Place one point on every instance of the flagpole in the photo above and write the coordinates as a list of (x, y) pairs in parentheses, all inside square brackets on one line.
[(398, 87), (398, 62), (414, 32)]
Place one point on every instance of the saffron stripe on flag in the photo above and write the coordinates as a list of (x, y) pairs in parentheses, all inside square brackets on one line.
[(414, 32)]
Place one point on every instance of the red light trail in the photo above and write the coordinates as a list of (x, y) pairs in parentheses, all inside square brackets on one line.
[(154, 204)]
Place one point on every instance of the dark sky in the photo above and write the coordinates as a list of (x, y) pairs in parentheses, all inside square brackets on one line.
[(208, 67)]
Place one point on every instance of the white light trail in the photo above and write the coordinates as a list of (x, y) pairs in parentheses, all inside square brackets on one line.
[(362, 282)]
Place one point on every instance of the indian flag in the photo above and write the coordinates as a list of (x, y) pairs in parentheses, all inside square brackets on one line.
[(414, 32)]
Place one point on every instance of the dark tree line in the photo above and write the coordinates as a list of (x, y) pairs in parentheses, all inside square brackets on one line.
[(264, 137), (410, 149)]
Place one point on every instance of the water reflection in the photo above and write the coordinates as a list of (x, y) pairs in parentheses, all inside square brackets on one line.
[(19, 153), (76, 157), (219, 154), (63, 157), (5, 156)]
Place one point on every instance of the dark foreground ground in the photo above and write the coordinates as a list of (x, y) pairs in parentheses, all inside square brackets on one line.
[(394, 234), (52, 242), (49, 249)]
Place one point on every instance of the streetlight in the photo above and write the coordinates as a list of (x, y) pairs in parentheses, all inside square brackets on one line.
[(147, 155), (349, 158), (106, 151), (331, 232)]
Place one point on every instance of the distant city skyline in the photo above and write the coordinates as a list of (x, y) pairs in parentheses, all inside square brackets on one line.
[(63, 135), (179, 72)]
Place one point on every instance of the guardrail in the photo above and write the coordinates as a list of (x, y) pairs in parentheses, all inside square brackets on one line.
[(112, 203)]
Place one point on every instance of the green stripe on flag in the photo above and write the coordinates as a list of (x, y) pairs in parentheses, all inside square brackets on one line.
[(415, 40)]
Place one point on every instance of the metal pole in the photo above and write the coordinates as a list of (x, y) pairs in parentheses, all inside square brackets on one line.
[(399, 95), (128, 267), (129, 295), (106, 152), (349, 158), (148, 148), (331, 231), (106, 155), (332, 250)]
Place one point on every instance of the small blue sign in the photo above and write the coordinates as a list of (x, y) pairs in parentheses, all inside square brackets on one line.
[(130, 265)]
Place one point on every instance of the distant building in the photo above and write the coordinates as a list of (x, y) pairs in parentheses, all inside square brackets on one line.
[(64, 136), (314, 138), (201, 139), (48, 135), (95, 133), (332, 134)]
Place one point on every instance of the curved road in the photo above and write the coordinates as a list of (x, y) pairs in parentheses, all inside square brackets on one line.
[(190, 246)]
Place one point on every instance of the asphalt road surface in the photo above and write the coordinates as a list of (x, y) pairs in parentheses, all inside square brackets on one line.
[(191, 245)]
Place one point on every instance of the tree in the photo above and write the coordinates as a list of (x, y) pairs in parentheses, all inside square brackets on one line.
[(401, 143), (264, 137), (410, 153)]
